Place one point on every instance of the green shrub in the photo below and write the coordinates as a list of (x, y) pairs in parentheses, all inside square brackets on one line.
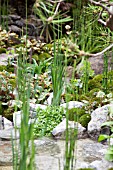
[(47, 120)]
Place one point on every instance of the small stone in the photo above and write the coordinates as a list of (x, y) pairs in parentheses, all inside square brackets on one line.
[(9, 134), (72, 104), (60, 130), (98, 117)]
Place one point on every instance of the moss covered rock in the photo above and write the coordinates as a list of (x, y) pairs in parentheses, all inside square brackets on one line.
[(84, 119), (75, 113), (94, 84), (98, 78)]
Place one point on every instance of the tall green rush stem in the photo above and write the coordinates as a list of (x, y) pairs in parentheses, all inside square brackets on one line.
[(57, 71), (26, 143), (105, 73)]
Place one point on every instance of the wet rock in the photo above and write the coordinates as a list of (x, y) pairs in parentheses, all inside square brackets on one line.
[(98, 117), (59, 132)]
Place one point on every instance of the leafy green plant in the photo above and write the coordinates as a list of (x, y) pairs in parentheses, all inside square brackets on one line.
[(86, 73), (7, 85), (47, 120)]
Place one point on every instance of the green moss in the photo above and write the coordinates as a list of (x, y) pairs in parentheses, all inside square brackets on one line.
[(84, 97), (93, 92), (75, 113), (8, 113), (110, 85), (35, 56), (7, 68), (110, 74), (94, 84), (84, 119), (2, 50), (98, 78), (3, 68), (44, 56), (69, 97)]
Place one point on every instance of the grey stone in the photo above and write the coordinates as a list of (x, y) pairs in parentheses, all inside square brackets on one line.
[(15, 17), (72, 104), (9, 134), (101, 164), (50, 154), (7, 123), (49, 99), (34, 107), (14, 28), (46, 146), (60, 130), (17, 118), (3, 59), (5, 153), (97, 63), (98, 117)]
